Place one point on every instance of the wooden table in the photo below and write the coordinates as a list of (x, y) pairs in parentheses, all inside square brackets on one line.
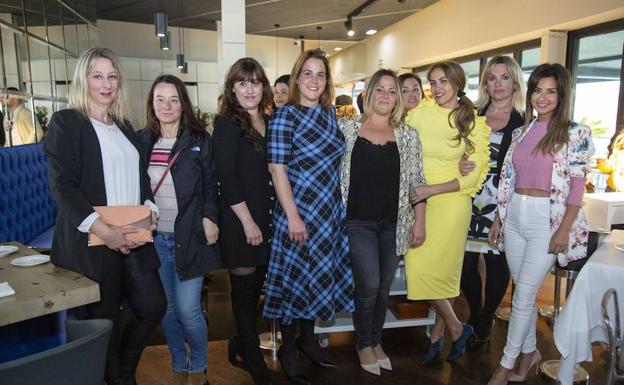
[(41, 289)]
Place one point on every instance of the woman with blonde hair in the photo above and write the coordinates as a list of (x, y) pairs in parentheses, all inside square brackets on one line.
[(382, 162), (543, 174), (501, 101), (94, 160), (449, 130)]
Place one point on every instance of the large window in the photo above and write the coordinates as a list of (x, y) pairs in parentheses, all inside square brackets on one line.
[(595, 59), (39, 43), (527, 54)]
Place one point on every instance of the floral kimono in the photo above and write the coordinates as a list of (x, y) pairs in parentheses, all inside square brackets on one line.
[(570, 161)]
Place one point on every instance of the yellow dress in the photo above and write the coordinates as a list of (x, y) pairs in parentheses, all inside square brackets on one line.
[(433, 270)]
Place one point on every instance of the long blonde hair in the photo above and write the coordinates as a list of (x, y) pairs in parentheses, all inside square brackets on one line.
[(516, 74), (79, 88), (397, 111), (463, 115)]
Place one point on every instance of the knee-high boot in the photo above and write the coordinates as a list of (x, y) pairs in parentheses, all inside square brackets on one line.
[(244, 303)]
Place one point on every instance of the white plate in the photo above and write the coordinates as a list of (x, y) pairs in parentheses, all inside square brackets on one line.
[(31, 260), (619, 246), (6, 250)]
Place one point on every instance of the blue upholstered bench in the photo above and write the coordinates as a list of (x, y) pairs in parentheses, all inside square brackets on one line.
[(27, 210)]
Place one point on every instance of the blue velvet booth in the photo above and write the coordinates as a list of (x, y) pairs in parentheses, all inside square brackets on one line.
[(27, 210), (27, 215)]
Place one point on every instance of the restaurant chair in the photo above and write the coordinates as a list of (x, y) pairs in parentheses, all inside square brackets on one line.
[(616, 367), (79, 362)]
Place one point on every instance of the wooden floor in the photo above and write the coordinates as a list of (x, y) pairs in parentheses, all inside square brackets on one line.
[(404, 346)]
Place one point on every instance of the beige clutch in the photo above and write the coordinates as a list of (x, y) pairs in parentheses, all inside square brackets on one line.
[(136, 216)]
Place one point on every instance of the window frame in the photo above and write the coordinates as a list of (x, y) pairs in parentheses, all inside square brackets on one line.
[(574, 38)]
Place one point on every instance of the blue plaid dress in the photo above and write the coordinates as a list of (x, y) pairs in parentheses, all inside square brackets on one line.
[(312, 281)]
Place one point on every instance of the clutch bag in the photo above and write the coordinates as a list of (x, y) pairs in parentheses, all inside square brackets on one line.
[(122, 216)]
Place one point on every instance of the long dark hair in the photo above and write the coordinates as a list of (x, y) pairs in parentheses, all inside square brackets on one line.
[(245, 69), (188, 120), (463, 115), (557, 134)]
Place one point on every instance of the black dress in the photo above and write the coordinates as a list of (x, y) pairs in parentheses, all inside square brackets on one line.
[(243, 175)]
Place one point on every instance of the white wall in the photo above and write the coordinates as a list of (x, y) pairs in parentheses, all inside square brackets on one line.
[(454, 28), (138, 41)]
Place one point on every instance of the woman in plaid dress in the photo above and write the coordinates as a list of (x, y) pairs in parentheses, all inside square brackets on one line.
[(309, 275)]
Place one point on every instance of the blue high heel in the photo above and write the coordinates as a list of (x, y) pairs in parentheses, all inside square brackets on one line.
[(432, 350), (459, 346)]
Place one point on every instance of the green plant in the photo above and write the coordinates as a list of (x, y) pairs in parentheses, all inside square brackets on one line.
[(205, 118), (597, 126), (41, 113)]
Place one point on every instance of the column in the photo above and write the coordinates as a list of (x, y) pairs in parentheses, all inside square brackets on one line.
[(554, 44), (230, 35)]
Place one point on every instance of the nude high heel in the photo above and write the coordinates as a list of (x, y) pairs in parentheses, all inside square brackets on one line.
[(535, 360)]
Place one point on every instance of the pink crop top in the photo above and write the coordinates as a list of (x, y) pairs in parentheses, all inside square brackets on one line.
[(534, 171)]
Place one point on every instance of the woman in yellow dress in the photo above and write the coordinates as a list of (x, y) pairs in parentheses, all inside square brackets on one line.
[(449, 130)]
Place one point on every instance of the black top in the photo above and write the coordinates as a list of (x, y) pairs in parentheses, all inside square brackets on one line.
[(243, 176), (76, 177), (195, 185), (374, 183), (515, 120)]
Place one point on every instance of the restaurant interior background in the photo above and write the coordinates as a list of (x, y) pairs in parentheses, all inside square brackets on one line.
[(41, 39)]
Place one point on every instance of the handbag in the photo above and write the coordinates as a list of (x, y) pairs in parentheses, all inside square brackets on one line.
[(136, 216)]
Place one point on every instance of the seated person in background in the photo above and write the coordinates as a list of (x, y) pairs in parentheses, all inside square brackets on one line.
[(19, 126), (344, 107)]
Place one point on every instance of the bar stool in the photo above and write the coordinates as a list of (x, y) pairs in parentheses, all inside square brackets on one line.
[(550, 368), (272, 340)]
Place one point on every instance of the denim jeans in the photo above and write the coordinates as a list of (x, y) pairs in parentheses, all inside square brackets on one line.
[(527, 236), (184, 319), (373, 261)]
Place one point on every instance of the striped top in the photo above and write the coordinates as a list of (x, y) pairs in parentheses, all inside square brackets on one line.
[(166, 195)]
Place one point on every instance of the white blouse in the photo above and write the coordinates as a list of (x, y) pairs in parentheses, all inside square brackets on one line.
[(120, 161)]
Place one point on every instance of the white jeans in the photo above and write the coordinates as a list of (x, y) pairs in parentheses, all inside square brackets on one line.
[(527, 236)]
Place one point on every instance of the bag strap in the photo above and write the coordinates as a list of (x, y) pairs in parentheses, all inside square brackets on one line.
[(162, 178)]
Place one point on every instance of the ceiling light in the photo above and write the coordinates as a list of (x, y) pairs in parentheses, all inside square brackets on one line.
[(349, 26), (160, 23), (184, 69), (180, 60), (371, 32), (337, 48), (164, 41)]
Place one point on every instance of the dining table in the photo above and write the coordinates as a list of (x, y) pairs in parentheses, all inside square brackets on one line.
[(41, 289), (580, 323)]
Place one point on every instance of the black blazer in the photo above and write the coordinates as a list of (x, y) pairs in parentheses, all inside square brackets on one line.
[(195, 184), (76, 178)]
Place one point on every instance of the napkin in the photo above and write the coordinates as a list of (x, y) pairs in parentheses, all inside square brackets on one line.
[(6, 289)]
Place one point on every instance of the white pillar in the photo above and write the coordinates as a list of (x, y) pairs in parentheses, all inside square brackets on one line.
[(230, 35), (554, 45)]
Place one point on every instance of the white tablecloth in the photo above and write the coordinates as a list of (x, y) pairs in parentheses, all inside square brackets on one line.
[(580, 323)]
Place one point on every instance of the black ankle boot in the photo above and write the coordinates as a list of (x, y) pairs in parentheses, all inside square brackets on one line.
[(307, 344), (235, 350), (247, 344)]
